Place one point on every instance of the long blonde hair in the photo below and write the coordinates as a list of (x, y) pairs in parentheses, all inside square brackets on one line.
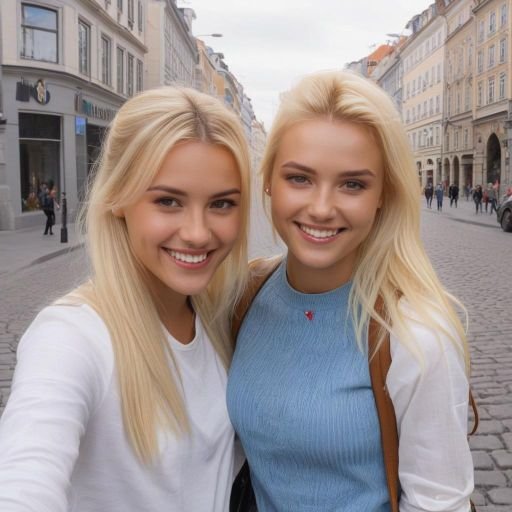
[(392, 261), (142, 133)]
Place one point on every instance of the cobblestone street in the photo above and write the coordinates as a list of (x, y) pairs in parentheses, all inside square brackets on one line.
[(473, 258)]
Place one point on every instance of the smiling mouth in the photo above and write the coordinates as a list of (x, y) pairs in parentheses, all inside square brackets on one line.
[(319, 234), (191, 259)]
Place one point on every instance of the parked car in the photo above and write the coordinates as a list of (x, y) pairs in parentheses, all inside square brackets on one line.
[(505, 215)]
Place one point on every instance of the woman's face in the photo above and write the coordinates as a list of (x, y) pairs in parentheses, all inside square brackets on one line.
[(326, 187), (187, 221)]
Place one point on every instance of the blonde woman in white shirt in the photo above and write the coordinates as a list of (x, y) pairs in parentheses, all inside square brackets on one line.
[(118, 399)]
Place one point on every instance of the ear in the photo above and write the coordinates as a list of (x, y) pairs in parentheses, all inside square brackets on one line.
[(118, 212), (267, 190)]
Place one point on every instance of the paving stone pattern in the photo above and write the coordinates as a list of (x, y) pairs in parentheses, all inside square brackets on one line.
[(473, 258)]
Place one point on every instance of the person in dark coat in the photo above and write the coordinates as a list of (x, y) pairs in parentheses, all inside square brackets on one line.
[(477, 198), (429, 193), (453, 194)]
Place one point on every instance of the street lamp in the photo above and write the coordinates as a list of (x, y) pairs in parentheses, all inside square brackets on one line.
[(215, 34)]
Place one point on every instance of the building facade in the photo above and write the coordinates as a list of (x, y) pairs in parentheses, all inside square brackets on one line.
[(68, 67), (172, 51), (458, 144), (422, 58), (492, 92)]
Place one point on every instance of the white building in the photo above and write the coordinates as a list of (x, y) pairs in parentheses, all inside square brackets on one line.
[(66, 68), (172, 52)]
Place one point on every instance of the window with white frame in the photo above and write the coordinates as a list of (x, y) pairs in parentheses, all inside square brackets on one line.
[(131, 13), (39, 33), (502, 85), (432, 75), (129, 74), (481, 31), (490, 90), (431, 106), (491, 55), (140, 76), (503, 15), (503, 50), (438, 73), (425, 108), (492, 22), (84, 47), (120, 70), (438, 104), (106, 60), (140, 17)]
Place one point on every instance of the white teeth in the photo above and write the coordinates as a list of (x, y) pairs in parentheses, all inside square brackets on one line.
[(319, 233), (188, 258)]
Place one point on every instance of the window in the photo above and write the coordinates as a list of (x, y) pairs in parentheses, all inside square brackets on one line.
[(84, 48), (467, 96), (449, 104), (490, 90), (120, 70), (491, 56), (129, 75), (140, 17), (140, 72), (438, 104), (456, 140), (425, 108), (432, 75), (479, 94), (439, 39), (458, 101), (120, 5), (131, 13), (438, 73), (447, 142), (481, 31), (408, 90), (470, 53), (502, 86), (414, 140), (414, 87), (466, 138), (503, 15), (437, 135), (408, 116), (106, 60), (480, 61), (492, 23), (431, 106), (39, 33), (503, 49)]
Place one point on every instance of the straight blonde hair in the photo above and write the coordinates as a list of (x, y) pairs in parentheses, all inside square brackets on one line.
[(144, 130), (392, 262)]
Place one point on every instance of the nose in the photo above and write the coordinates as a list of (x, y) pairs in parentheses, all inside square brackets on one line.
[(322, 204), (195, 231)]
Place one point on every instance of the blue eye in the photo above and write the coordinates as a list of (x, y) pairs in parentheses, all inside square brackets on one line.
[(223, 204), (299, 179), (354, 185), (167, 202)]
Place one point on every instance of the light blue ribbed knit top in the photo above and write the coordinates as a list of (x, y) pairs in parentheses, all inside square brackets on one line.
[(300, 398)]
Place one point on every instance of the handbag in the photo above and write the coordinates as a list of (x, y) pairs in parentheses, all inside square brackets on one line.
[(379, 361)]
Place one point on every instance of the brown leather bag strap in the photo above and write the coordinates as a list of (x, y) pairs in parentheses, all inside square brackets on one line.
[(259, 272), (379, 363)]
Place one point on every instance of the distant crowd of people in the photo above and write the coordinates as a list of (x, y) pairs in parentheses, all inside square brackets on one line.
[(482, 197)]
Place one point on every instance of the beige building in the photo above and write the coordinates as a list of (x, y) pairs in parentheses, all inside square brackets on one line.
[(491, 92), (206, 73), (66, 68), (457, 150), (422, 57)]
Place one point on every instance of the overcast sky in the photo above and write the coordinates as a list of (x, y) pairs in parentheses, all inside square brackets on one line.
[(269, 44)]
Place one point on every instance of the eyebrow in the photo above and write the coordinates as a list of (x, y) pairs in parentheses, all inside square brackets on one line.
[(349, 174), (178, 192)]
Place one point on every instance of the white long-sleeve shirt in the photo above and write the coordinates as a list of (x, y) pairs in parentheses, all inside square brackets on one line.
[(62, 442)]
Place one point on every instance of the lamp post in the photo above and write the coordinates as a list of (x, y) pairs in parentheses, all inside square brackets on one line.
[(215, 34)]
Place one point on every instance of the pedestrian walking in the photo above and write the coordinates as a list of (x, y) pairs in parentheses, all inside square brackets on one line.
[(492, 198), (453, 195), (46, 204), (477, 198), (485, 199), (338, 173), (118, 399), (429, 193), (439, 192), (467, 191)]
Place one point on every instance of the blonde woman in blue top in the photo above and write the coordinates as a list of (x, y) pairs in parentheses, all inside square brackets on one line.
[(339, 175)]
